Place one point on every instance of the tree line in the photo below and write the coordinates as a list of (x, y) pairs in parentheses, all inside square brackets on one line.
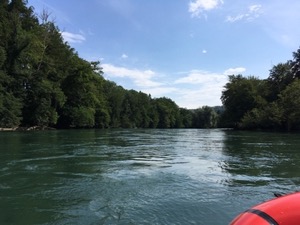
[(43, 82), (272, 103)]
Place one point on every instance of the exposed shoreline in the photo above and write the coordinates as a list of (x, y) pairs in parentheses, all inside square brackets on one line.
[(26, 128)]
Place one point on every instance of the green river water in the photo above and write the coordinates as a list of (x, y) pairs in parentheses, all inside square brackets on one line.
[(141, 176)]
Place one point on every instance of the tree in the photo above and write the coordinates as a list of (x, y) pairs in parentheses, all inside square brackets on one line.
[(42, 101), (205, 117), (280, 76), (10, 110), (186, 118), (295, 64), (268, 117), (82, 117), (242, 95), (153, 114), (85, 101), (16, 23), (115, 97), (168, 113), (289, 99)]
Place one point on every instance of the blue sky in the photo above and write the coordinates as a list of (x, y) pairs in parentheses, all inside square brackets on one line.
[(180, 49)]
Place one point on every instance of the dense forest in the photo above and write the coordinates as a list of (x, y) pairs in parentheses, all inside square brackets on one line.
[(44, 83), (269, 104)]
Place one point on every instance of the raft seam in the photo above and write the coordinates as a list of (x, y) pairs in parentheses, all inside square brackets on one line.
[(263, 215)]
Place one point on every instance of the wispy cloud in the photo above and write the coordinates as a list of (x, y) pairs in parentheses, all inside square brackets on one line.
[(253, 12), (203, 87), (208, 78), (141, 78), (235, 71), (161, 91), (194, 89), (200, 88), (72, 38), (197, 7), (201, 77), (196, 98), (124, 56)]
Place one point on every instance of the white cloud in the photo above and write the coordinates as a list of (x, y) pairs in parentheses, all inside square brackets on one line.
[(201, 77), (161, 91), (207, 78), (72, 38), (277, 18), (196, 98), (194, 89), (203, 87), (204, 51), (124, 56), (234, 19), (141, 78), (206, 89), (254, 11), (254, 8), (235, 71), (196, 7)]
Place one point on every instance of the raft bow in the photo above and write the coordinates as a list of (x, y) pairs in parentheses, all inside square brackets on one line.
[(283, 210)]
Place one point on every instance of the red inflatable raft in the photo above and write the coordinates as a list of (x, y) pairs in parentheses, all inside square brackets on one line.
[(284, 210)]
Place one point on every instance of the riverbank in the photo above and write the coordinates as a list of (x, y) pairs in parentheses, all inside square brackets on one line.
[(26, 128)]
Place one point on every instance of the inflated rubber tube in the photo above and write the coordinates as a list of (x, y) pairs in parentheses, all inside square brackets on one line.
[(283, 210)]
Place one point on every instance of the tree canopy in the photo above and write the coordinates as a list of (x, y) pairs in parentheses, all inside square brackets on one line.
[(272, 103)]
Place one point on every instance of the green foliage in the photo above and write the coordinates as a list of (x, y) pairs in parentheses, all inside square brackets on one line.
[(268, 117), (10, 110), (280, 76), (295, 64), (186, 118), (205, 117), (82, 117), (2, 56), (290, 101), (102, 118), (241, 95), (168, 113), (273, 103), (115, 98)]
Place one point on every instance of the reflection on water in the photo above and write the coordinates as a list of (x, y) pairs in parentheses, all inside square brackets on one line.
[(270, 159), (141, 176)]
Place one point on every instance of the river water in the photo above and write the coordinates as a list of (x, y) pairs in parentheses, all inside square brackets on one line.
[(141, 176)]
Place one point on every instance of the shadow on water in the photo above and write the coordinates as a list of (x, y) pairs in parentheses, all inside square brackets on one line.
[(263, 158)]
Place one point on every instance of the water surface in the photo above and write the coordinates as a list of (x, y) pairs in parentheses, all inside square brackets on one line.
[(142, 176)]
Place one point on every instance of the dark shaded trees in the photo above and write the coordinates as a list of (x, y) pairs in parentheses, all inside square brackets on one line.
[(16, 25), (168, 113), (289, 100), (280, 76), (273, 103), (186, 118), (205, 117), (242, 94)]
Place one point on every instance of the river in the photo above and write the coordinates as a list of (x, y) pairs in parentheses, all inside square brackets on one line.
[(139, 176)]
